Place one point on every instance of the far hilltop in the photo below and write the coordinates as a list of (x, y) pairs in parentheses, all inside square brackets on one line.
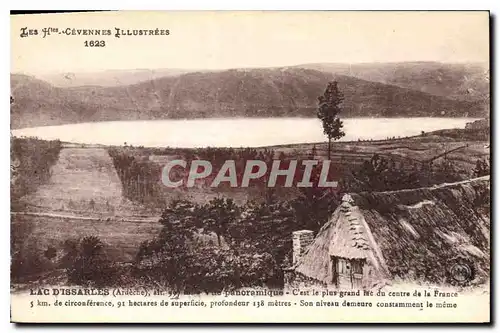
[(464, 81)]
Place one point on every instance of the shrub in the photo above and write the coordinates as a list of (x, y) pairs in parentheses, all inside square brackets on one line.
[(86, 263), (27, 258)]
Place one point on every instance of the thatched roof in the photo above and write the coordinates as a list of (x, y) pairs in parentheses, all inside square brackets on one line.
[(349, 238), (410, 234)]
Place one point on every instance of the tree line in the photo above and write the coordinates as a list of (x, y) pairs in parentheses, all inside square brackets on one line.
[(31, 160)]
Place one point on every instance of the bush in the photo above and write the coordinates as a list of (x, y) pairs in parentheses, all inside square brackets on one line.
[(28, 264), (204, 268), (251, 254), (27, 258), (87, 264)]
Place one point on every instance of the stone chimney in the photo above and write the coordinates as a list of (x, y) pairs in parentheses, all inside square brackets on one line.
[(301, 240)]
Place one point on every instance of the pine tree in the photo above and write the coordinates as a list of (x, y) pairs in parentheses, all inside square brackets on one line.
[(329, 108)]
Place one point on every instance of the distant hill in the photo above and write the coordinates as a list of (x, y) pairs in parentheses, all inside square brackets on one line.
[(468, 82), (290, 92), (38, 103), (108, 78)]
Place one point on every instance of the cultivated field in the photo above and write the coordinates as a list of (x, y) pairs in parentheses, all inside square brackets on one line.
[(83, 198), (409, 150), (83, 182)]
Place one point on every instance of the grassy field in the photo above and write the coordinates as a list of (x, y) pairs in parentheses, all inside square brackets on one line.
[(83, 182), (413, 150)]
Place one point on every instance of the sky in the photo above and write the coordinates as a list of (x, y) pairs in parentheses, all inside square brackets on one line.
[(221, 40)]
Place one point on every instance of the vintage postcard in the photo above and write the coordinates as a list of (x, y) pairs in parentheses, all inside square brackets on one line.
[(266, 167)]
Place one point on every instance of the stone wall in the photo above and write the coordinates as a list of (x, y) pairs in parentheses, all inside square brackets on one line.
[(295, 280), (300, 241)]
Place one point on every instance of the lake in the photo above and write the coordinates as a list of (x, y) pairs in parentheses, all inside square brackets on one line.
[(237, 132)]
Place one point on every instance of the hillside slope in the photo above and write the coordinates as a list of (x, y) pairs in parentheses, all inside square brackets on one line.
[(457, 81), (108, 78), (38, 103), (468, 82), (290, 92)]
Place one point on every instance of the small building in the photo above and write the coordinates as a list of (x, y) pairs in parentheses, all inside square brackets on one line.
[(415, 235)]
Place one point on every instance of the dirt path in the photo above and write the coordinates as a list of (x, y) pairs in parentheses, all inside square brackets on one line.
[(88, 218)]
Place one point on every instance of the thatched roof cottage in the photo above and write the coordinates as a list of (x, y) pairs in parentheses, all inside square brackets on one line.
[(413, 235)]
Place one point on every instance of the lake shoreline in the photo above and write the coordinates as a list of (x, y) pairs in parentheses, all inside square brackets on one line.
[(15, 128), (236, 132)]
